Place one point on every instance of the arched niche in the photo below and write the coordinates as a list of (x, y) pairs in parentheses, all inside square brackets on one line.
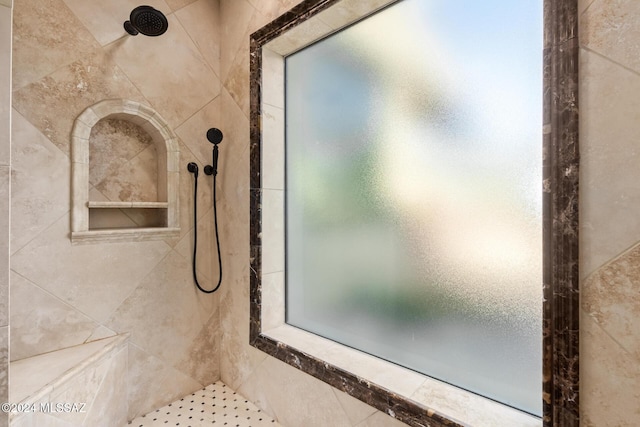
[(168, 176)]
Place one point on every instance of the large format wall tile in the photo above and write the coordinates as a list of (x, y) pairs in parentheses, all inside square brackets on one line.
[(235, 17), (110, 403), (611, 296), (153, 383), (207, 256), (5, 174), (609, 379), (193, 132), (611, 28), (296, 399), (609, 125), (46, 36), (40, 182), (5, 83), (104, 19), (202, 359), (165, 308), (95, 279), (4, 371), (198, 18), (177, 82), (53, 103), (41, 323)]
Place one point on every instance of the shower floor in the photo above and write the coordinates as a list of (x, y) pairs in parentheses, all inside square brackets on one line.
[(215, 405)]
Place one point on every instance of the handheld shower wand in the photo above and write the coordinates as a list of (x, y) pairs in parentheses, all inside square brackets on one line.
[(215, 137)]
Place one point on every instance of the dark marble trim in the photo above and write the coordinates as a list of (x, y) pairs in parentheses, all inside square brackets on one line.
[(560, 215), (560, 229)]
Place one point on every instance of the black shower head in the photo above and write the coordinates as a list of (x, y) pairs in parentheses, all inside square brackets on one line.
[(146, 20), (214, 135)]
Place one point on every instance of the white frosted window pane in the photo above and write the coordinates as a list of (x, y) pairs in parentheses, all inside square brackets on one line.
[(413, 144)]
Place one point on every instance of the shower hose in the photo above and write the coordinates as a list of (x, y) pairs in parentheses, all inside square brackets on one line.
[(195, 233)]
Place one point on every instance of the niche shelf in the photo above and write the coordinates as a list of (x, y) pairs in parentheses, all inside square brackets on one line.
[(161, 216)]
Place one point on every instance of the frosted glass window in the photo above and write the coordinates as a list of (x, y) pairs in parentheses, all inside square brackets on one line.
[(413, 192)]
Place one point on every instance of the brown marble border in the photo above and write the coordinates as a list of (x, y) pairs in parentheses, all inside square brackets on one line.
[(560, 214), (560, 229)]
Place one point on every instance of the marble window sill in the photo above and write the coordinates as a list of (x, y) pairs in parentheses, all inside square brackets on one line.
[(435, 396)]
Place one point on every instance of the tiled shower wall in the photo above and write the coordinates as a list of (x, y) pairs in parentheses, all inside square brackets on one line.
[(68, 55), (5, 174), (609, 206)]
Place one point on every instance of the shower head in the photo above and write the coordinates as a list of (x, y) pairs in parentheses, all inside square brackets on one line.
[(214, 136), (146, 20)]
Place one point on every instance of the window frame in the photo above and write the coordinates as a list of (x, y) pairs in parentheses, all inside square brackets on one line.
[(292, 31)]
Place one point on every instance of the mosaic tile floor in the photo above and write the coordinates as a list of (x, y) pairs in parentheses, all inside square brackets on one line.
[(215, 405)]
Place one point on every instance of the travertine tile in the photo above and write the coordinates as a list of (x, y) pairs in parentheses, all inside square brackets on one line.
[(193, 133), (289, 393), (235, 17), (40, 182), (5, 175), (237, 78), (207, 256), (583, 5), (157, 67), (202, 360), (609, 379), (153, 383), (47, 36), (104, 20), (272, 78), (52, 104), (610, 296), (110, 405), (273, 297), (238, 359), (186, 194), (273, 231), (134, 181), (609, 121), (112, 143), (99, 333), (201, 19), (350, 11), (82, 389), (5, 84), (356, 410), (93, 278), (174, 312), (41, 376), (177, 4), (380, 419), (41, 323), (4, 371), (611, 28), (273, 150)]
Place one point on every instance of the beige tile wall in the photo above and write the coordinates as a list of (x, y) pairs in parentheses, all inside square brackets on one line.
[(609, 206), (5, 190), (68, 55)]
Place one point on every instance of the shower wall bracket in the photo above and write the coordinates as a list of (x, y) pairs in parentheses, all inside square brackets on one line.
[(168, 156)]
